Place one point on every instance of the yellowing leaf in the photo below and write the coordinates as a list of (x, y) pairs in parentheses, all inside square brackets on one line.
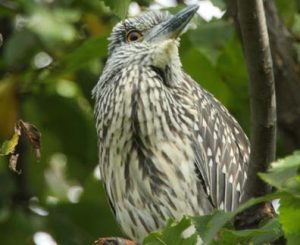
[(9, 146)]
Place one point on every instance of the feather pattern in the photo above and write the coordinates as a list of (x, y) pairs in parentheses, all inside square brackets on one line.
[(225, 164), (167, 147)]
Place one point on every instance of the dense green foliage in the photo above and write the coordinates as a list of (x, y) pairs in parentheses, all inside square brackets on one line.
[(52, 56)]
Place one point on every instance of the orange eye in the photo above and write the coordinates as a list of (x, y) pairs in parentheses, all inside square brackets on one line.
[(133, 36)]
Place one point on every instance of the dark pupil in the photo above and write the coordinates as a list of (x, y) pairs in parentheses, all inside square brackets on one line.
[(134, 36)]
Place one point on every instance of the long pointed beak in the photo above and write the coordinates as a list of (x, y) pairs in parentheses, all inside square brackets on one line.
[(173, 27)]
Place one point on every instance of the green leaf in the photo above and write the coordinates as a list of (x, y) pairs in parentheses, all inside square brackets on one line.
[(15, 54), (283, 174), (54, 26), (287, 11), (209, 226), (229, 237), (289, 218), (9, 146), (236, 80), (91, 49), (219, 3), (172, 234), (119, 7), (296, 25), (210, 38), (204, 73), (271, 232), (268, 232)]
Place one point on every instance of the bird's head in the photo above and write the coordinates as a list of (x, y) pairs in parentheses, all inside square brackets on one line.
[(150, 39)]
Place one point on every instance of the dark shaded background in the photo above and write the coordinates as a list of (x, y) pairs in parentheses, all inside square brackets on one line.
[(52, 55)]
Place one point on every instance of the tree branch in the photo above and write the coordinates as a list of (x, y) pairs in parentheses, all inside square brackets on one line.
[(287, 78), (286, 71), (262, 93)]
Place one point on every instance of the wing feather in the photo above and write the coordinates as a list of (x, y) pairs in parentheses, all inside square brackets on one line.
[(221, 150)]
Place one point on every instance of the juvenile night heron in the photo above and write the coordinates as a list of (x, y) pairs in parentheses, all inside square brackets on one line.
[(167, 147)]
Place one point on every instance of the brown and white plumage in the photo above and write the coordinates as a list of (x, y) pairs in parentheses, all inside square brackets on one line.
[(167, 147)]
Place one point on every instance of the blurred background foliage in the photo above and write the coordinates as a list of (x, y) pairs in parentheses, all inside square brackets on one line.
[(52, 55)]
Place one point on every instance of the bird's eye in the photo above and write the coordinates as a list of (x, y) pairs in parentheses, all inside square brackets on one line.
[(134, 36)]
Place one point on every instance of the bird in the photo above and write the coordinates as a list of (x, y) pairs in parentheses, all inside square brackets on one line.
[(167, 147)]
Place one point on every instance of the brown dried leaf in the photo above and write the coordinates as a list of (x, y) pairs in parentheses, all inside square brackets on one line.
[(13, 163), (33, 135)]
